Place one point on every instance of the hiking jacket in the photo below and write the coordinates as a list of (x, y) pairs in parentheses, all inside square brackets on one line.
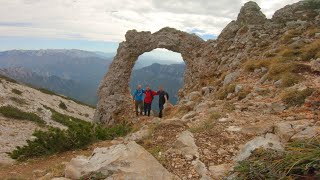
[(149, 96), (162, 99), (138, 94)]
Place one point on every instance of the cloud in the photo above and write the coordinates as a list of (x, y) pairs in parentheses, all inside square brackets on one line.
[(16, 24), (108, 20)]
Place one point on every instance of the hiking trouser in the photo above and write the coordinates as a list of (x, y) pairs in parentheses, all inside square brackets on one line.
[(139, 106), (147, 108), (161, 107)]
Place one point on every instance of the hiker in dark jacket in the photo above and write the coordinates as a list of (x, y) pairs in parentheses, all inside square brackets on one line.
[(148, 100), (163, 98), (138, 99)]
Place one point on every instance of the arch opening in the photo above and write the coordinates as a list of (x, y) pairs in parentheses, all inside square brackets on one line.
[(160, 67)]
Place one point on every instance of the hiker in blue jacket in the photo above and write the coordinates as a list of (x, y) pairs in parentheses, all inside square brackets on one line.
[(138, 99)]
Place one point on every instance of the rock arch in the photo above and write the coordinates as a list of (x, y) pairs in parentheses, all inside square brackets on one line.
[(115, 103)]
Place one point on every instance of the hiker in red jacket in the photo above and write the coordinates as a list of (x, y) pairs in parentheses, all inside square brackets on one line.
[(148, 100)]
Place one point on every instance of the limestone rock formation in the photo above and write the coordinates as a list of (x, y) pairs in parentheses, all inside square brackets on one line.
[(250, 14), (121, 161), (114, 99), (214, 62)]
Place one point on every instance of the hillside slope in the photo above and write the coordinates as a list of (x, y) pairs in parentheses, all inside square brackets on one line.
[(15, 132)]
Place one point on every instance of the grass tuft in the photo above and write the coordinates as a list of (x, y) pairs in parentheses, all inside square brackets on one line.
[(296, 97), (300, 160)]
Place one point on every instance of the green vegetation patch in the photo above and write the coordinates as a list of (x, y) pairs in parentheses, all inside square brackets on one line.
[(15, 113), (300, 160), (46, 91), (16, 91), (295, 97), (19, 100), (8, 79), (79, 134), (63, 106), (311, 4)]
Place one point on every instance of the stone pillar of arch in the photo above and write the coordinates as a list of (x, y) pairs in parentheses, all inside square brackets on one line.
[(115, 102)]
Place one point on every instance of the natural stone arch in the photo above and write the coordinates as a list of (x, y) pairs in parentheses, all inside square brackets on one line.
[(115, 103)]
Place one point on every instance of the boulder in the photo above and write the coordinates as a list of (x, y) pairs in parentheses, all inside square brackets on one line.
[(250, 14), (307, 133), (194, 96), (230, 78), (238, 88), (189, 115), (123, 161), (186, 145), (205, 91), (139, 135), (269, 141), (315, 65), (201, 107), (219, 171)]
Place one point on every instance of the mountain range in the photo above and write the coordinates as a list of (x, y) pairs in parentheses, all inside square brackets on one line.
[(77, 73)]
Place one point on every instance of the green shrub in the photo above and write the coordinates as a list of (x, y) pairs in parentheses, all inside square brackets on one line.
[(312, 4), (19, 100), (12, 112), (16, 91), (296, 97), (94, 176), (62, 105), (46, 91), (79, 134), (8, 79), (300, 160)]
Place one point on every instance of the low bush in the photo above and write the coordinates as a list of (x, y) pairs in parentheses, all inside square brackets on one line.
[(62, 105), (296, 97), (224, 91), (251, 65), (311, 4), (19, 100), (300, 160), (46, 91), (8, 79), (287, 72), (79, 134), (16, 91), (311, 51), (287, 37), (12, 112)]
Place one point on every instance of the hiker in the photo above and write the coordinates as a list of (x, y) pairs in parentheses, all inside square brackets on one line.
[(163, 98), (148, 100), (138, 99)]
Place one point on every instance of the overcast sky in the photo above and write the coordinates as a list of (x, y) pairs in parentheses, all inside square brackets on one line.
[(100, 24)]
